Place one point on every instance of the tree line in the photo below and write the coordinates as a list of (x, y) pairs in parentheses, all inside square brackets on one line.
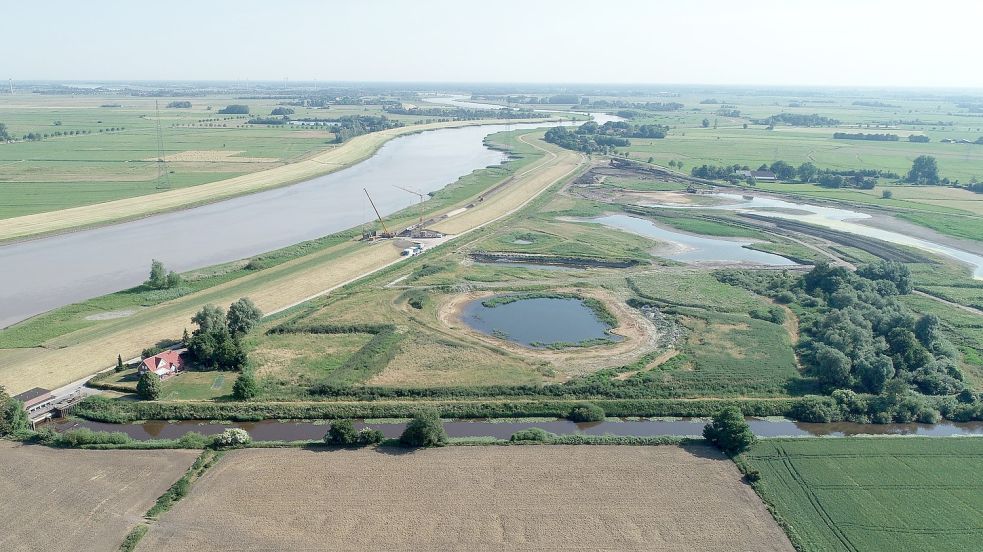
[(465, 114), (354, 125), (234, 109), (796, 119), (863, 136)]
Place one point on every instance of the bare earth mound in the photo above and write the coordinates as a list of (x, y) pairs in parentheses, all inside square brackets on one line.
[(459, 498), (79, 499)]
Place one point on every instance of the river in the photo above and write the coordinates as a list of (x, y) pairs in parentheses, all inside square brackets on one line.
[(46, 273), (296, 430)]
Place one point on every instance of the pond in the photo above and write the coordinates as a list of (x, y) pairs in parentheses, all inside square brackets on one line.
[(537, 322), (695, 248), (844, 220), (296, 430)]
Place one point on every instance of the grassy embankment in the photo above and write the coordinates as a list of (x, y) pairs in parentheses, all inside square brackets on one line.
[(313, 268)]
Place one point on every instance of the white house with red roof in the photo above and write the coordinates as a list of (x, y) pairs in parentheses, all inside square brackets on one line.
[(163, 364)]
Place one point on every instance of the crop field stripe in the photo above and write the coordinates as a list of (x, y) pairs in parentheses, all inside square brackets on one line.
[(814, 500)]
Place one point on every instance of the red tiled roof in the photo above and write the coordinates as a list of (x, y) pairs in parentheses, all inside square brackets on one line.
[(165, 358)]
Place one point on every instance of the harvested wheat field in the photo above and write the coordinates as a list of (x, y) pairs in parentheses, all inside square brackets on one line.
[(54, 499), (483, 498)]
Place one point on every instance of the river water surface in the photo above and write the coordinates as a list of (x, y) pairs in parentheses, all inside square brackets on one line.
[(273, 430), (46, 273), (693, 248), (834, 218)]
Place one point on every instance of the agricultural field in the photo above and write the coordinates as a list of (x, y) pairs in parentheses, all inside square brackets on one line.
[(80, 499), (114, 154), (506, 498), (874, 494)]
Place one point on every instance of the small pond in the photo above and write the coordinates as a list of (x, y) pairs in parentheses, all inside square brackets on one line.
[(537, 322), (297, 430), (694, 248)]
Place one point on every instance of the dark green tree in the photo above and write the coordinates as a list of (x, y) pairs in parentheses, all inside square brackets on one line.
[(119, 363), (424, 430), (148, 387), (158, 275), (924, 170), (245, 387), (586, 412), (782, 170), (13, 417), (242, 316), (807, 172), (4, 135), (729, 431), (706, 123), (341, 433)]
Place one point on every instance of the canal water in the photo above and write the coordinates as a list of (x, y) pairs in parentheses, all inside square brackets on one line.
[(692, 248), (273, 430), (537, 322)]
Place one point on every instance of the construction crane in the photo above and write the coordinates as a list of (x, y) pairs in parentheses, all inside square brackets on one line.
[(419, 207), (385, 231), (163, 182)]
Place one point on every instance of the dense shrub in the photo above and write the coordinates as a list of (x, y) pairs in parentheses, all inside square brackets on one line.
[(368, 436), (586, 412), (12, 415), (245, 387), (532, 434), (341, 433), (233, 437), (424, 430), (729, 431), (148, 387)]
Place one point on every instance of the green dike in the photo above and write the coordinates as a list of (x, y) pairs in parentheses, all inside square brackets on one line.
[(872, 494), (70, 321), (970, 228)]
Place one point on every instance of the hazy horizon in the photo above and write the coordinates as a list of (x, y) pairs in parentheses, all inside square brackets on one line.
[(838, 44)]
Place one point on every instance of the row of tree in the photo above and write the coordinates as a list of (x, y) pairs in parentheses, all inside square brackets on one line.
[(354, 125), (796, 119), (864, 136)]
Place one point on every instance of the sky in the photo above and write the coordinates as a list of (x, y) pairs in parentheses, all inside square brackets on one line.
[(876, 43)]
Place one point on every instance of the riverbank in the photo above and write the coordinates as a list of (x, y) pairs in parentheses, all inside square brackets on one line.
[(332, 160), (79, 353)]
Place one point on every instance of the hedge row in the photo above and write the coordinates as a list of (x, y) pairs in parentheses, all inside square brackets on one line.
[(106, 410)]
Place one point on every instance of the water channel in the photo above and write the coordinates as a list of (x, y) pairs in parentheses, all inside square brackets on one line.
[(46, 273), (694, 248), (834, 218), (296, 430)]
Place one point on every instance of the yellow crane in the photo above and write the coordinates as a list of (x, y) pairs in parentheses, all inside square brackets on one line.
[(419, 208), (385, 231)]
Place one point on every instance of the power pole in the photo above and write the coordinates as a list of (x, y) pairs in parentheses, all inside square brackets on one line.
[(163, 182)]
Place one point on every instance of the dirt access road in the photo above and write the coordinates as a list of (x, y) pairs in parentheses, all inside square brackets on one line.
[(73, 356), (471, 498)]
